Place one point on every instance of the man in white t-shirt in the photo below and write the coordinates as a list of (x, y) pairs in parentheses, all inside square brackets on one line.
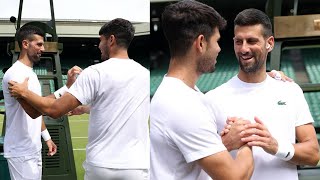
[(278, 111), (184, 140), (22, 141), (118, 92)]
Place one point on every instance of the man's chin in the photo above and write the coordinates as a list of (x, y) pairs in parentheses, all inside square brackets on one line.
[(212, 70), (36, 61), (209, 71)]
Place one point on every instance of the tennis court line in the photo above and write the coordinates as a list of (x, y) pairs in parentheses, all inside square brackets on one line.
[(79, 149), (79, 137), (79, 120)]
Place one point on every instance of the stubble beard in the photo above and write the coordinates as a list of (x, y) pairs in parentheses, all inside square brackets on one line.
[(34, 58), (250, 68), (206, 65)]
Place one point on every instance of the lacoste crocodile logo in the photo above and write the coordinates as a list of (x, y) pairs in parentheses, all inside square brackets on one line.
[(281, 103)]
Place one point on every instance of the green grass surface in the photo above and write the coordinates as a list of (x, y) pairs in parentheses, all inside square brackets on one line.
[(79, 137)]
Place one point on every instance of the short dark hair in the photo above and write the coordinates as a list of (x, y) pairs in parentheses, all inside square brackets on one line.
[(249, 17), (184, 21), (27, 32), (122, 29)]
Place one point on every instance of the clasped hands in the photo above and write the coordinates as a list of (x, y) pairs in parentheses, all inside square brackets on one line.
[(238, 132)]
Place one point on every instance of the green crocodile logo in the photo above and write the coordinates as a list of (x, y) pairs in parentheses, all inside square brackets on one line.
[(281, 103)]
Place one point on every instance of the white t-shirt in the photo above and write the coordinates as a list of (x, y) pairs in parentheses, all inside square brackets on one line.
[(280, 105), (118, 91), (23, 134), (181, 132)]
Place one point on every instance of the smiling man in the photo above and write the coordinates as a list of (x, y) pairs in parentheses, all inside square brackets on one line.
[(22, 140), (278, 111), (184, 140)]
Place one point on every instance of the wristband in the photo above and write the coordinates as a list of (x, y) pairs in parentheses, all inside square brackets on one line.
[(45, 135), (285, 151), (58, 93)]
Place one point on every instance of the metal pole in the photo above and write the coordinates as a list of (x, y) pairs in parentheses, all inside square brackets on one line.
[(19, 14), (53, 20), (295, 7)]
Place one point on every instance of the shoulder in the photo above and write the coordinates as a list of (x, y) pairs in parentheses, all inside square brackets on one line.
[(286, 86), (16, 73), (178, 104), (221, 90)]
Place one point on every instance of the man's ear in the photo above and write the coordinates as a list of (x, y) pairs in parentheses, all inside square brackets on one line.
[(25, 44), (200, 43), (112, 39), (270, 43)]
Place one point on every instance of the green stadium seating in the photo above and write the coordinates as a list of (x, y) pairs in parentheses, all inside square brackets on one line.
[(313, 99), (227, 67)]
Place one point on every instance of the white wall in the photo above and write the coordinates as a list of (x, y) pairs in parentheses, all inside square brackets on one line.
[(133, 10)]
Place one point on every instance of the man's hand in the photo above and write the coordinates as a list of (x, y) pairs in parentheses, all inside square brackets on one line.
[(72, 75), (257, 134), (279, 75), (52, 147), (79, 110), (17, 89), (230, 136)]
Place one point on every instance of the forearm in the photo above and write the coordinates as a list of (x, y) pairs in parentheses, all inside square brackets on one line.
[(240, 168), (51, 96), (29, 109), (306, 153), (42, 104), (86, 109), (307, 148), (43, 125), (244, 162)]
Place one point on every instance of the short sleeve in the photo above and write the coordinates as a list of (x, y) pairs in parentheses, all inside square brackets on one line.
[(86, 86), (18, 74), (194, 132)]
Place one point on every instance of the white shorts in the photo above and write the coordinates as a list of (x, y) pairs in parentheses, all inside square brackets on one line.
[(25, 167), (101, 173)]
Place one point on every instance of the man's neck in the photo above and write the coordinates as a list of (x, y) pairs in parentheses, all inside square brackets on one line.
[(120, 54), (255, 77), (178, 68), (25, 60)]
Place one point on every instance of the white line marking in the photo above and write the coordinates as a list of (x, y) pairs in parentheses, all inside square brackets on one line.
[(78, 120), (79, 137), (80, 149)]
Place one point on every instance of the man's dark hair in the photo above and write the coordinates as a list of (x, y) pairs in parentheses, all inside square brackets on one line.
[(122, 29), (27, 32), (249, 17), (184, 21)]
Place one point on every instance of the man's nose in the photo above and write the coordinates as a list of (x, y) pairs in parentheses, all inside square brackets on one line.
[(244, 48)]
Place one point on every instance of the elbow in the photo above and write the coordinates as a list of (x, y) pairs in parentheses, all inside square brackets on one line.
[(33, 115), (53, 113), (315, 160), (316, 156)]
